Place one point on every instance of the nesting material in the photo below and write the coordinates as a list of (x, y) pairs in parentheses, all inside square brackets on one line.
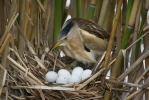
[(27, 79)]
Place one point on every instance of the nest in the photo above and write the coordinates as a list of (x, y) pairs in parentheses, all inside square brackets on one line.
[(25, 78)]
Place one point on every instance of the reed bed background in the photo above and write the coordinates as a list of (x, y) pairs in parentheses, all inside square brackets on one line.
[(30, 28)]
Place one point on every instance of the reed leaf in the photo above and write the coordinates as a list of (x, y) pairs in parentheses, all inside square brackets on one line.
[(91, 9), (128, 12), (130, 24), (79, 8), (57, 19)]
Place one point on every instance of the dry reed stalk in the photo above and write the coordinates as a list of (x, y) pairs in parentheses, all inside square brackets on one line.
[(61, 64), (23, 76), (97, 97), (137, 91), (2, 23), (147, 4), (6, 41), (134, 13), (30, 47), (112, 34), (50, 30), (47, 16), (91, 78), (44, 87), (72, 8), (17, 97), (36, 57), (3, 74), (98, 10), (118, 39), (137, 40), (14, 7), (37, 38), (103, 12), (93, 2), (124, 9), (71, 92), (26, 18), (83, 7), (114, 74), (4, 55), (40, 5), (33, 13), (135, 34), (11, 22), (3, 70), (85, 92), (21, 42), (19, 58), (24, 70), (106, 17), (133, 56), (86, 7), (135, 85), (29, 19), (110, 16), (100, 61), (146, 28), (119, 58), (134, 65), (146, 46), (130, 84), (107, 57)]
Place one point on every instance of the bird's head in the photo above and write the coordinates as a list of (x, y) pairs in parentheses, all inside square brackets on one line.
[(64, 34)]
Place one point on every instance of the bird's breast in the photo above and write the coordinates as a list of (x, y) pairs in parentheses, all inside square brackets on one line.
[(75, 49)]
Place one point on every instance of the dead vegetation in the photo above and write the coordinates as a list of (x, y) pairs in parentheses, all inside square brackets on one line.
[(28, 31)]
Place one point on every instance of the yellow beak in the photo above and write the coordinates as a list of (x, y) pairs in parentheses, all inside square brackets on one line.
[(57, 44)]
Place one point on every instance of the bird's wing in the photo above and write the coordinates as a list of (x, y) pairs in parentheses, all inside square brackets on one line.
[(92, 42), (90, 27)]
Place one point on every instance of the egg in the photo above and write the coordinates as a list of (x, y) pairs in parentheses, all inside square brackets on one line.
[(86, 73), (64, 72), (62, 80), (51, 76), (77, 71), (74, 78)]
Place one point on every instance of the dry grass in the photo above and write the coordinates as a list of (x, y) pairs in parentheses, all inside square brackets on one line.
[(27, 35)]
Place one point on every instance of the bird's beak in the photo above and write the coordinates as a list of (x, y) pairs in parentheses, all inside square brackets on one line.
[(58, 43)]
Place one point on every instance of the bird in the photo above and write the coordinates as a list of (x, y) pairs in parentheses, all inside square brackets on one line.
[(82, 40)]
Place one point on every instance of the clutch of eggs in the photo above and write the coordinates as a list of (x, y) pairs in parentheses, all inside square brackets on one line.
[(64, 77)]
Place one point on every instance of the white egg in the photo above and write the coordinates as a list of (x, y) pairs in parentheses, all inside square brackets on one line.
[(77, 71), (64, 72), (51, 76), (62, 80), (86, 73), (74, 78)]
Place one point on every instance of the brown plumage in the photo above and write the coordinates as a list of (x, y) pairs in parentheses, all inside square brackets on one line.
[(83, 40)]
